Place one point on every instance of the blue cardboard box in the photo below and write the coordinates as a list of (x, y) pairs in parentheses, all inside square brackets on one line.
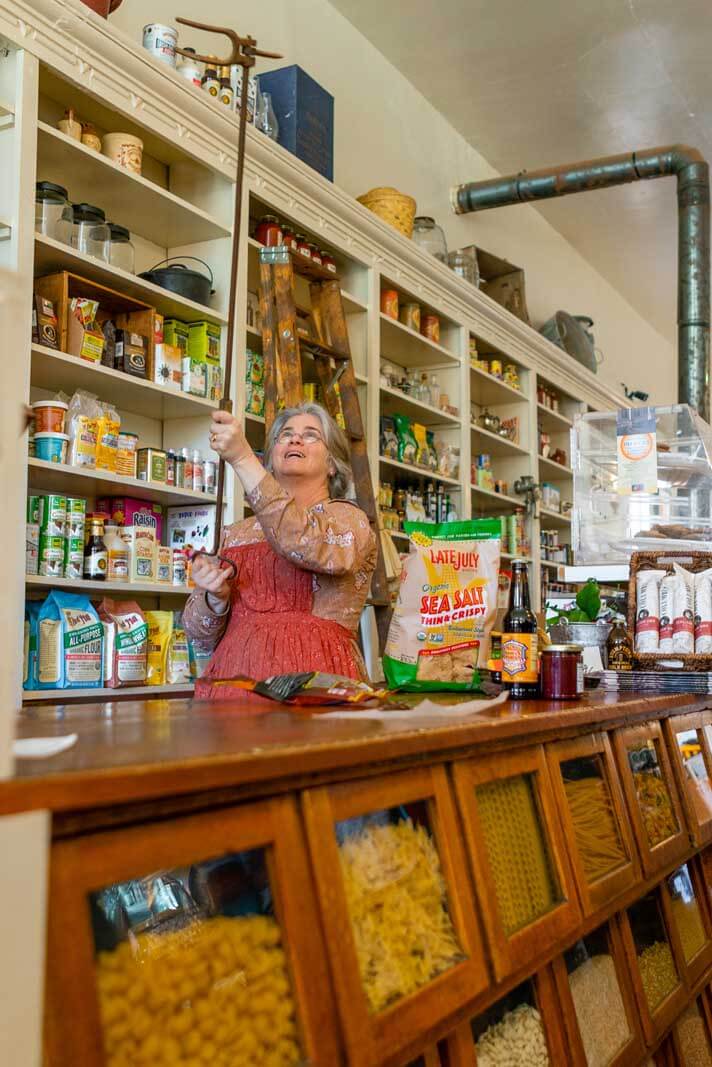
[(305, 113)]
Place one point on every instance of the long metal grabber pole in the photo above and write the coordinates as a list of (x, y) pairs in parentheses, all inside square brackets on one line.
[(693, 254)]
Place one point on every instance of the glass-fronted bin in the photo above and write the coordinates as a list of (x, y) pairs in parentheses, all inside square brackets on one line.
[(642, 480), (194, 941), (397, 907), (690, 918), (522, 1029), (603, 1024), (691, 1037), (651, 795), (655, 972), (518, 855), (590, 803), (688, 738)]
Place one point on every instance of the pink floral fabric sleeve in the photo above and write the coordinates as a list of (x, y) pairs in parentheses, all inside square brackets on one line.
[(201, 623), (332, 538)]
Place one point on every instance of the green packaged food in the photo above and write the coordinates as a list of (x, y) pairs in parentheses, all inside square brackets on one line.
[(407, 444)]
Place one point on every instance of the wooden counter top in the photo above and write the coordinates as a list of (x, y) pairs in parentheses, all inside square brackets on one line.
[(132, 751)]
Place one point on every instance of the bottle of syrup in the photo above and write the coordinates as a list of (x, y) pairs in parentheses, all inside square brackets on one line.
[(520, 668)]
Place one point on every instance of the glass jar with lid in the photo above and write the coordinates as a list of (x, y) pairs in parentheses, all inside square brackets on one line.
[(90, 233), (464, 262), (121, 250), (315, 254), (269, 231), (53, 212), (430, 237)]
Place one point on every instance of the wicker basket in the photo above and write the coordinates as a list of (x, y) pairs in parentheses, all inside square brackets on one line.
[(393, 207), (662, 560)]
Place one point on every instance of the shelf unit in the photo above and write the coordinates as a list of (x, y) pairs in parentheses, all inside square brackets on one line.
[(62, 696), (42, 583), (182, 205)]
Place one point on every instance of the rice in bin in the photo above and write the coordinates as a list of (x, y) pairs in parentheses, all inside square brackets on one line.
[(396, 898), (517, 851), (692, 1036), (600, 1010), (216, 989)]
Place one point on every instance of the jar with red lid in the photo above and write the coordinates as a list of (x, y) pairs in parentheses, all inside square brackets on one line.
[(269, 231), (289, 239), (561, 676), (315, 255), (430, 327), (303, 246), (328, 261)]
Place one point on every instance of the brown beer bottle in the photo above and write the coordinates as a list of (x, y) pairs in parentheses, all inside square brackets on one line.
[(619, 648), (520, 669)]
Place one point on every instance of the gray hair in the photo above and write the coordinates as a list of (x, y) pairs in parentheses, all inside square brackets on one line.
[(341, 481)]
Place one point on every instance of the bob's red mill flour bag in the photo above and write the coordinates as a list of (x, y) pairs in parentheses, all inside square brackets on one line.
[(439, 634)]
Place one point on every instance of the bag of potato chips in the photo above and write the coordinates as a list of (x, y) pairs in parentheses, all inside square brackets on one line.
[(439, 634)]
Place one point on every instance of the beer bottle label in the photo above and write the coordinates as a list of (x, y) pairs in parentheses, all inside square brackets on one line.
[(519, 658)]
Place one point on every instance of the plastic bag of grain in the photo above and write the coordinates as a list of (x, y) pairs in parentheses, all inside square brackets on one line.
[(71, 638), (125, 643), (439, 634)]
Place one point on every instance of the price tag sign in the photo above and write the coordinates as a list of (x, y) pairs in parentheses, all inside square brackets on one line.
[(637, 451)]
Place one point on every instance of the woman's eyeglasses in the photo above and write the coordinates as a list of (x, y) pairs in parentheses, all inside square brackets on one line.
[(309, 437)]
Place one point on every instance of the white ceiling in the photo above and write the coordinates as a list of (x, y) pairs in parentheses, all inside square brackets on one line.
[(536, 84)]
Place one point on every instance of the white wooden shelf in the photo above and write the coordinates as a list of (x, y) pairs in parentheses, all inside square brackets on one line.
[(62, 478), (552, 421), (62, 696), (602, 572), (556, 470), (496, 445), (399, 535), (491, 392), (55, 370), (393, 401), (51, 255), (489, 494), (553, 518), (7, 115), (128, 199), (410, 349), (420, 472), (551, 564), (40, 581), (5, 228), (511, 555)]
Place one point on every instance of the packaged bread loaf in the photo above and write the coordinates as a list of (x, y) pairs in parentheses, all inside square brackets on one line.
[(439, 634)]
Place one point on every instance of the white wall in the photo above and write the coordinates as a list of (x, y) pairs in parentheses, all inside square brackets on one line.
[(388, 134)]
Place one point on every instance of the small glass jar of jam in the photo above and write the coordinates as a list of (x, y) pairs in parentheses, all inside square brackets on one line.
[(328, 261), (303, 246), (289, 239), (561, 672), (269, 231), (430, 327), (315, 255)]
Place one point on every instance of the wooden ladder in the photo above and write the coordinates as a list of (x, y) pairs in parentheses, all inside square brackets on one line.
[(328, 342)]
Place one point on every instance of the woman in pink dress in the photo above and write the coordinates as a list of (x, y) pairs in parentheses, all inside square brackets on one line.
[(303, 563)]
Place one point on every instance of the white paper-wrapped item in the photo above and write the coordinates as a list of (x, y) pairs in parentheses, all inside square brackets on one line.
[(703, 611), (683, 619), (647, 610)]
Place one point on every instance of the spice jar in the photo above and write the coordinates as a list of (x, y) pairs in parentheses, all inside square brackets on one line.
[(53, 213), (269, 231), (561, 672), (328, 261), (315, 254), (389, 303), (121, 250), (303, 246), (430, 327)]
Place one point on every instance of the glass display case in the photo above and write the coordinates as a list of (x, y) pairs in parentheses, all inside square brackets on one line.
[(688, 740), (641, 484)]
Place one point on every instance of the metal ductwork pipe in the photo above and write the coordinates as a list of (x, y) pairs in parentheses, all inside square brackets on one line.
[(693, 252)]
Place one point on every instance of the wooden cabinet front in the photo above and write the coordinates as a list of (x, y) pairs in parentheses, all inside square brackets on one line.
[(598, 1003), (655, 970), (169, 942), (397, 907), (686, 904), (651, 794), (688, 738), (595, 821), (691, 1039), (519, 857)]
